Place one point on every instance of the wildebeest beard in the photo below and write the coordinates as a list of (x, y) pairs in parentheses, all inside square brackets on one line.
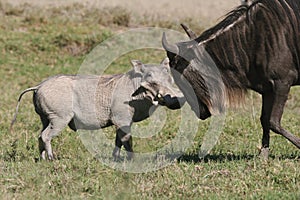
[(211, 97)]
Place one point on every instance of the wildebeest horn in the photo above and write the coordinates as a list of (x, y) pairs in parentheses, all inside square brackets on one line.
[(171, 48), (189, 32)]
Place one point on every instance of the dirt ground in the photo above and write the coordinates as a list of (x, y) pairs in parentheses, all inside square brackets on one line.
[(211, 11)]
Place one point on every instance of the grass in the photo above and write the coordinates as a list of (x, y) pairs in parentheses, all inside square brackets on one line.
[(39, 43)]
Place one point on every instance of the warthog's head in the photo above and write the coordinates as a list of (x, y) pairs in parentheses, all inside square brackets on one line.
[(157, 84)]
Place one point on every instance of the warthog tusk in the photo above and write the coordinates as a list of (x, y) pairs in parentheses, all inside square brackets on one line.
[(160, 97)]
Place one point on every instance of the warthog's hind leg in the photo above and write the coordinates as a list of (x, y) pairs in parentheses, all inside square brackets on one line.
[(53, 129), (45, 123)]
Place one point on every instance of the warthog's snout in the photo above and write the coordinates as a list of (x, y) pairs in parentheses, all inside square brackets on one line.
[(171, 102)]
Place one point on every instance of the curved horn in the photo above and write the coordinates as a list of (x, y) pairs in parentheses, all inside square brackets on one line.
[(189, 32), (168, 47)]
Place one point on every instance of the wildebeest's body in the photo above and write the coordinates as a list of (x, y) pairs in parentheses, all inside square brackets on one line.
[(255, 47), (94, 102)]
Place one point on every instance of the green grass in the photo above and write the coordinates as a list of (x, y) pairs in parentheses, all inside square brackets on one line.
[(36, 44)]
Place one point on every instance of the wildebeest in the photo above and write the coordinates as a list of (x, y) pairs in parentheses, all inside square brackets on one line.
[(254, 47), (93, 102)]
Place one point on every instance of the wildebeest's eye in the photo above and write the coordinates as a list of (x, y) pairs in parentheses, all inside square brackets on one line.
[(179, 63)]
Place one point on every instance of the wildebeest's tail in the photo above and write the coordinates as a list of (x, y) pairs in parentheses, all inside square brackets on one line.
[(19, 100)]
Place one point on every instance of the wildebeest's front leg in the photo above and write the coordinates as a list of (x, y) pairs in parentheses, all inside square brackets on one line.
[(123, 137), (267, 104)]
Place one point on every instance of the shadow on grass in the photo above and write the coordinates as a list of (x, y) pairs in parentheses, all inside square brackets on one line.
[(292, 156), (215, 158), (232, 157)]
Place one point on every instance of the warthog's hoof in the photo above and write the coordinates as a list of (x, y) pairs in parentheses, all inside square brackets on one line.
[(264, 153), (50, 157), (130, 155), (43, 155), (116, 153)]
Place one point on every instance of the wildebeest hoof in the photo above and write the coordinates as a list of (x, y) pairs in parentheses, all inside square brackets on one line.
[(264, 153)]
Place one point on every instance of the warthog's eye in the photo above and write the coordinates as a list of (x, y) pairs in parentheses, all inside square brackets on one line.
[(149, 75)]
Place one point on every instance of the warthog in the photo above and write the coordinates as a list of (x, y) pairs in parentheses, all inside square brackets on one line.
[(94, 102)]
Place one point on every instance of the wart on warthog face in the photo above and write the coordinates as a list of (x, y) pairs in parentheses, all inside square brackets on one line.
[(157, 84), (94, 102)]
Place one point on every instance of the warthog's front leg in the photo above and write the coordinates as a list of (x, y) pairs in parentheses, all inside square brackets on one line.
[(123, 137), (117, 149)]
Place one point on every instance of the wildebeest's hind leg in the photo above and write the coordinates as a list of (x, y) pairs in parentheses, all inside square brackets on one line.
[(280, 97), (54, 127)]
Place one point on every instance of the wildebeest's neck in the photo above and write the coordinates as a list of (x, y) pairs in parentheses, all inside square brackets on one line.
[(231, 57), (228, 44), (227, 54), (243, 44)]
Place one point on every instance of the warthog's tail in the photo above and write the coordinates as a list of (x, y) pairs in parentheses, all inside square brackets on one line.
[(18, 104)]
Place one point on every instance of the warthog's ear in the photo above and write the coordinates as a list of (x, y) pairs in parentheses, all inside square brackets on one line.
[(138, 66), (165, 64)]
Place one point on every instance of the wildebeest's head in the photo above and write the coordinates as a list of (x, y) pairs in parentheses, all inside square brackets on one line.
[(157, 84), (194, 64)]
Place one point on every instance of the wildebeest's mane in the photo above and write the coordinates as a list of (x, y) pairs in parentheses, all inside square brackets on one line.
[(280, 9), (227, 21)]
